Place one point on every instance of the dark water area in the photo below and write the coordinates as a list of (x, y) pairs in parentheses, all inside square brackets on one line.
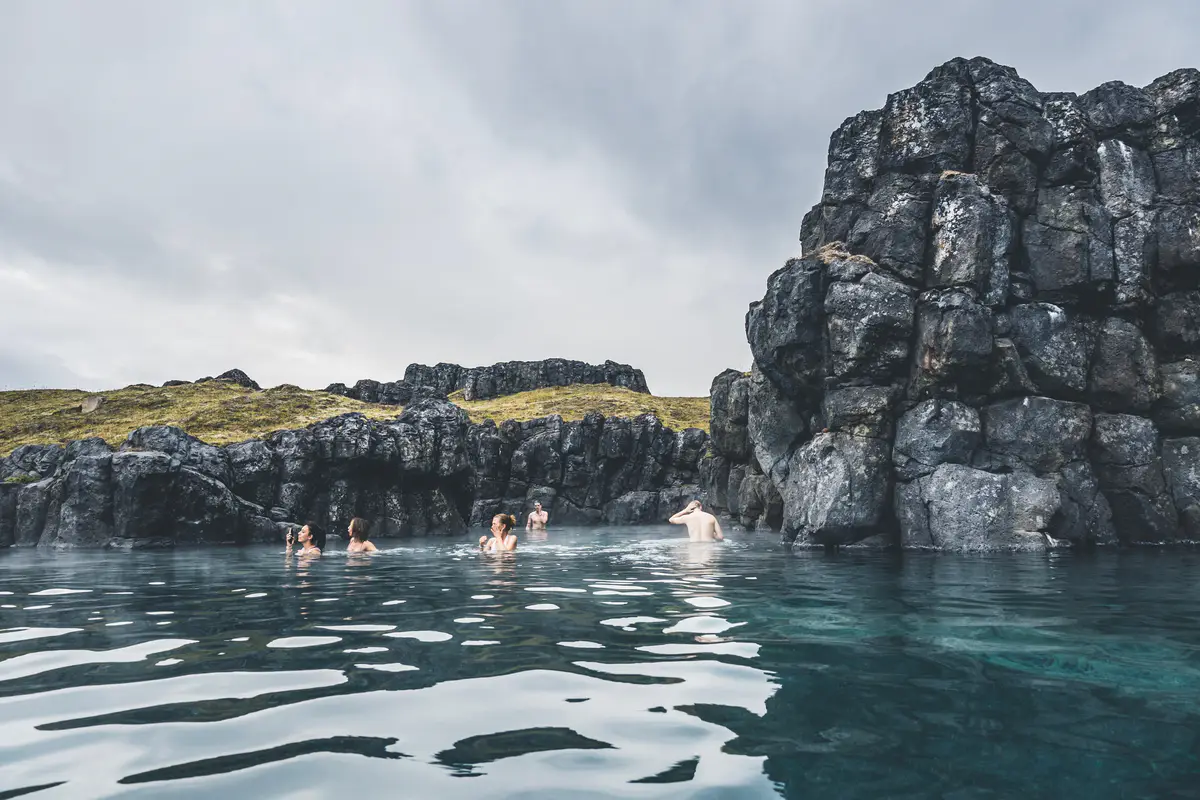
[(599, 663)]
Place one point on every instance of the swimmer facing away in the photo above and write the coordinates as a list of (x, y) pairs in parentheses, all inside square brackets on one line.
[(701, 525), (358, 537), (537, 518), (311, 539), (502, 536)]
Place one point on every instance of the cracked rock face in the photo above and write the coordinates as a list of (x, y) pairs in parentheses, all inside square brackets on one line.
[(423, 382), (429, 471), (992, 339)]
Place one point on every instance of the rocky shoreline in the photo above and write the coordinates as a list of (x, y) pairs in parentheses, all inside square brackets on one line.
[(992, 340), (429, 471)]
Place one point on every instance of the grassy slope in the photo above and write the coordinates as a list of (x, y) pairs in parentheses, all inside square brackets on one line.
[(573, 402), (223, 413)]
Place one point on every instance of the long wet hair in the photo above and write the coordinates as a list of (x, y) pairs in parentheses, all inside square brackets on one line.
[(317, 533), (507, 521), (358, 529)]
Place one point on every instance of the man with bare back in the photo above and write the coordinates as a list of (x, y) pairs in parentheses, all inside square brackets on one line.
[(537, 519), (702, 526)]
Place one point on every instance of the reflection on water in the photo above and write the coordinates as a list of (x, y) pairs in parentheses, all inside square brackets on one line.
[(598, 663)]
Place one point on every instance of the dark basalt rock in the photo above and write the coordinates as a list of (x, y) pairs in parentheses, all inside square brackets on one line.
[(995, 322), (429, 471), (481, 383)]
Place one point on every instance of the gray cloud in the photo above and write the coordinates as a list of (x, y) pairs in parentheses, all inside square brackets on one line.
[(316, 192)]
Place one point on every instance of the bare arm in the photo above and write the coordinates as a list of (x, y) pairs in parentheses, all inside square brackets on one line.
[(678, 519), (529, 522), (717, 528)]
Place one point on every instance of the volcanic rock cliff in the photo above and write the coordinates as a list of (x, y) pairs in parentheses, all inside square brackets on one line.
[(992, 340), (421, 381), (430, 471)]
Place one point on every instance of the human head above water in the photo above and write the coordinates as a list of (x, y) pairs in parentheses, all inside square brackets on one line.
[(537, 506), (315, 532), (502, 524), (358, 529)]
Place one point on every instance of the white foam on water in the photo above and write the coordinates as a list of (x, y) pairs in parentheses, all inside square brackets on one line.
[(582, 645), (159, 613), (482, 596), (240, 639), (157, 583), (366, 650), (256, 594), (465, 620), (562, 589), (116, 624), (36, 608), (479, 642), (392, 602), (326, 600), (53, 592), (542, 607), (168, 662)]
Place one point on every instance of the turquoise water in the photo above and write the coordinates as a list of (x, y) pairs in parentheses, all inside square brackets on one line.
[(599, 663)]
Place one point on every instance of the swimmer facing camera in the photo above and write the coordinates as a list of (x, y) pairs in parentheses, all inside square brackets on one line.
[(503, 539)]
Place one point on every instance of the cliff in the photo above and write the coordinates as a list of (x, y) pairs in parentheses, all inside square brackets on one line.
[(429, 470), (483, 383), (992, 340)]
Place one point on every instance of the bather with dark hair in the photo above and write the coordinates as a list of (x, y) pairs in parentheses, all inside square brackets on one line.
[(311, 539), (503, 539), (358, 537)]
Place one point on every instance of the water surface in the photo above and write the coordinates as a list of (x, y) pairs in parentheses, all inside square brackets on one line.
[(599, 663)]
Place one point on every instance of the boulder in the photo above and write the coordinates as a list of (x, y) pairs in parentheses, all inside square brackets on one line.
[(1128, 459), (960, 508), (933, 433), (838, 489), (1178, 410), (1181, 464)]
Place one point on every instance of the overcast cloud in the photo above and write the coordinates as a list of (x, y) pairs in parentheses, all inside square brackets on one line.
[(319, 192)]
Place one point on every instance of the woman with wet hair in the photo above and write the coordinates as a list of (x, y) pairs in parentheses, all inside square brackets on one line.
[(503, 539), (358, 537), (311, 540)]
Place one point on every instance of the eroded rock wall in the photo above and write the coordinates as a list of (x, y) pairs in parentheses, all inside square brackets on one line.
[(429, 471), (992, 340), (481, 383)]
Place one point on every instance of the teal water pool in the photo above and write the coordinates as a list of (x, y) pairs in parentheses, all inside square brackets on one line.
[(611, 662)]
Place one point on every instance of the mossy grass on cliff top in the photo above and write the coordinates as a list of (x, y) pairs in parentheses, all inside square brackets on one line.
[(224, 413), (574, 402), (214, 411)]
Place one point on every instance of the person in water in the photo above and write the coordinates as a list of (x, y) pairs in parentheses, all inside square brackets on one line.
[(502, 536), (311, 540), (358, 537), (701, 525), (537, 518)]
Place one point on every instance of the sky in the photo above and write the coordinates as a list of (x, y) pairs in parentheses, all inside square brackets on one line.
[(326, 191)]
